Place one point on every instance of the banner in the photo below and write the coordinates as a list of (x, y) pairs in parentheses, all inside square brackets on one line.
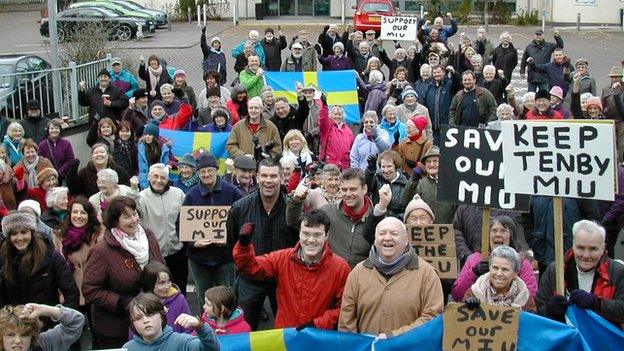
[(398, 28), (339, 86), (189, 142), (204, 222), (567, 159), (599, 333), (472, 172)]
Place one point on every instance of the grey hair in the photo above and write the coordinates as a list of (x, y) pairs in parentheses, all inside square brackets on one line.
[(13, 126), (375, 77), (503, 107), (158, 167), (476, 57), (339, 108), (387, 108), (109, 175), (489, 67), (287, 161), (588, 227), (508, 253), (585, 97), (425, 66), (53, 194), (363, 43), (504, 34), (369, 114), (528, 95)]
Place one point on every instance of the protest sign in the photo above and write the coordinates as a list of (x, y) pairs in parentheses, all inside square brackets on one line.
[(435, 243), (471, 167), (204, 222), (398, 28), (569, 159), (485, 328)]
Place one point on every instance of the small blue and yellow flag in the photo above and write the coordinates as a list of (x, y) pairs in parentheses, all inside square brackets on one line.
[(189, 142), (339, 86)]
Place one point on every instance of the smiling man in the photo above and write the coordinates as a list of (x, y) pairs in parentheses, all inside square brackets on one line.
[(310, 277)]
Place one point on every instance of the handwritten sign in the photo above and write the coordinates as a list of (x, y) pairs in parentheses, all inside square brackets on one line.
[(487, 327), (471, 164), (398, 28), (435, 243), (204, 222), (568, 159)]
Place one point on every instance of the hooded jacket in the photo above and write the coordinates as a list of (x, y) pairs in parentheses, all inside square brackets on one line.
[(235, 325), (206, 340), (125, 81)]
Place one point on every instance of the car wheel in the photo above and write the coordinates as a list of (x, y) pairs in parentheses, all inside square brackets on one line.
[(124, 32)]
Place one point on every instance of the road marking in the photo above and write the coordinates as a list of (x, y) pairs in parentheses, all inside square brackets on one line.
[(27, 45)]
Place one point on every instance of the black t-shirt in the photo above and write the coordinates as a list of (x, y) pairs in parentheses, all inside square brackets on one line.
[(469, 114)]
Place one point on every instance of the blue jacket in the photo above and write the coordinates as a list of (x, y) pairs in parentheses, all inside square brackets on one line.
[(364, 147), (399, 126), (206, 340), (555, 73), (125, 81), (445, 33), (438, 98), (144, 164), (238, 49), (14, 153)]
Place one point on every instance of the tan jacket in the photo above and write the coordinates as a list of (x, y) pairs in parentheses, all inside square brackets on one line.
[(78, 259), (413, 151), (371, 304), (240, 141)]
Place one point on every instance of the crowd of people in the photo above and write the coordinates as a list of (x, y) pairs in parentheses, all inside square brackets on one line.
[(319, 208)]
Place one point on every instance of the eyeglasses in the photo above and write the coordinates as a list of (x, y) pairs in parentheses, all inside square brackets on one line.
[(207, 171)]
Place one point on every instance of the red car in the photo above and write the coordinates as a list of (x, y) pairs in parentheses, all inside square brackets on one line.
[(368, 14)]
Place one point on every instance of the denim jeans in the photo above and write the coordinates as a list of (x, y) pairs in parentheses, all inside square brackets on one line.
[(206, 277)]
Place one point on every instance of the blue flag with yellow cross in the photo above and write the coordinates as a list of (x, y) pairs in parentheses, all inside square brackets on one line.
[(339, 86)]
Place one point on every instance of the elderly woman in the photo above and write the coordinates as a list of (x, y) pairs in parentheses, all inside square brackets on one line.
[(57, 149), (397, 129), (155, 74), (385, 170), (377, 97), (416, 145), (113, 270), (504, 112), (336, 136), (328, 191), (30, 269), (397, 84), (21, 327), (56, 200), (543, 109), (47, 179), (108, 183), (523, 107), (13, 141), (84, 182), (187, 176), (371, 141), (502, 232), (501, 286), (172, 104), (30, 165)]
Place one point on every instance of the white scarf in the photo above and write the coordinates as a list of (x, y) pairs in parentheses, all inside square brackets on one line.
[(517, 296), (138, 246), (154, 76)]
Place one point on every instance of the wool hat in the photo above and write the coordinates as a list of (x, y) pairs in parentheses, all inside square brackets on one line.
[(269, 30), (616, 72), (179, 72), (539, 32), (140, 93), (206, 160), (245, 163), (157, 103), (408, 91), (166, 88), (557, 91), (417, 204), (215, 39), (104, 72), (45, 174), (151, 128), (296, 46), (30, 204), (340, 45), (189, 160), (433, 151), (33, 105), (18, 219), (594, 101), (542, 94), (420, 122)]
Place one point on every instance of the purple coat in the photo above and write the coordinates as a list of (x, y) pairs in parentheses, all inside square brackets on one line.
[(59, 152), (173, 107), (467, 277), (335, 63), (376, 99)]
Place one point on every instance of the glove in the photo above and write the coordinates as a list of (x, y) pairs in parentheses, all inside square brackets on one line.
[(324, 99), (308, 137), (481, 268), (179, 93), (397, 136), (256, 142), (203, 30), (556, 307), (372, 162), (19, 173), (417, 173), (373, 133), (325, 29), (317, 48), (122, 303), (472, 302), (309, 324), (583, 299), (245, 233)]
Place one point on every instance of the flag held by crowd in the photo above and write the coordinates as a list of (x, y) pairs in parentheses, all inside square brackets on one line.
[(188, 142)]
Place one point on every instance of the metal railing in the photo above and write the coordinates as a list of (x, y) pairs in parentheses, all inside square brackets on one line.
[(24, 86), (19, 2)]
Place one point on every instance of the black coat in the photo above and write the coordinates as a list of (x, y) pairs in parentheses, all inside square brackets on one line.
[(93, 99), (497, 88), (84, 182), (164, 78), (34, 128), (273, 52), (505, 59), (294, 120), (541, 53)]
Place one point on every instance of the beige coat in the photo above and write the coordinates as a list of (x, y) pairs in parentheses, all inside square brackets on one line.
[(78, 259), (240, 141), (410, 298)]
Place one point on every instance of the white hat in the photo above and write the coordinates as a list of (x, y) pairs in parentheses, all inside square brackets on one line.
[(297, 46)]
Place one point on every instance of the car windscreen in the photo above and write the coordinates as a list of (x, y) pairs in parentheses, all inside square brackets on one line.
[(5, 81), (375, 7), (108, 12)]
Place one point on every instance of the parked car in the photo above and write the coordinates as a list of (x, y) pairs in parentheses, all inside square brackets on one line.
[(368, 14), (23, 78), (160, 17), (119, 27), (113, 7)]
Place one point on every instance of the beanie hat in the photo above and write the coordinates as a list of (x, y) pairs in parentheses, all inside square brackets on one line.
[(297, 46), (189, 160), (594, 101), (340, 45), (420, 122), (542, 94), (104, 72), (206, 160), (157, 103), (33, 105), (45, 174), (151, 128), (19, 219), (31, 204), (417, 204), (269, 30), (557, 91), (408, 91), (179, 72), (215, 39)]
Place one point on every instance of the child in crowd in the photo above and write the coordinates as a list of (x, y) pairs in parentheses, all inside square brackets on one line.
[(222, 313)]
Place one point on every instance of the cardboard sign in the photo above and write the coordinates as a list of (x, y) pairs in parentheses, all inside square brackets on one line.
[(487, 327), (569, 159), (204, 222), (435, 243), (471, 167), (398, 28)]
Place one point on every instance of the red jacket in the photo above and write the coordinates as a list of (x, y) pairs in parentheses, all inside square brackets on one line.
[(180, 120), (304, 293), (549, 114)]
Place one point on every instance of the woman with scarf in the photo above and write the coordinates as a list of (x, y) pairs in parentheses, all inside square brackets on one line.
[(56, 201), (75, 237), (31, 164), (371, 141), (154, 75), (415, 145), (13, 141), (336, 136), (151, 150), (214, 57), (188, 175), (84, 181), (397, 129), (113, 271), (179, 81), (108, 183), (501, 286), (238, 104), (220, 117), (57, 149), (47, 179), (125, 150), (103, 132)]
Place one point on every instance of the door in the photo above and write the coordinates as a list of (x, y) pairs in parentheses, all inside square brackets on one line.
[(305, 7)]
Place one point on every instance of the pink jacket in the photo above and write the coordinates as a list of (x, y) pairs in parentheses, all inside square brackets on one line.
[(335, 141), (235, 325), (467, 277)]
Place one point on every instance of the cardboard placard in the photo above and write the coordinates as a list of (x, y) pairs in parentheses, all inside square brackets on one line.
[(398, 28), (204, 222), (447, 268), (471, 167), (569, 159), (435, 244), (435, 250), (432, 234), (487, 327)]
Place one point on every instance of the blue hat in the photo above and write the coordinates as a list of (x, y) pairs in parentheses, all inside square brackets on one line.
[(151, 128), (408, 91), (189, 160), (206, 160)]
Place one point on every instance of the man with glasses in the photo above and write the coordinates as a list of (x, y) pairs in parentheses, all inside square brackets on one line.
[(210, 263), (310, 277)]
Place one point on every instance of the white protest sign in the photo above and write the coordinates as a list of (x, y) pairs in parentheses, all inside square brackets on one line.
[(398, 28), (569, 159)]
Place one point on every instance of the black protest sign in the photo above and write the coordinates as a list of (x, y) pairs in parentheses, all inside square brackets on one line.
[(435, 243), (472, 172), (204, 222)]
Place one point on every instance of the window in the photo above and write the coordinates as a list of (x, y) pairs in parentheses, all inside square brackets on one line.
[(375, 7)]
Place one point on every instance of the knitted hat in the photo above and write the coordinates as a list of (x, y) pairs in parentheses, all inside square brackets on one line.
[(189, 160), (340, 45), (30, 204), (207, 160), (151, 128), (45, 174), (18, 219), (581, 61), (417, 204), (296, 46), (166, 88), (104, 72), (408, 91), (33, 105), (542, 94), (245, 163), (616, 71), (433, 151), (179, 72), (557, 91), (594, 101), (157, 103), (420, 122), (215, 39)]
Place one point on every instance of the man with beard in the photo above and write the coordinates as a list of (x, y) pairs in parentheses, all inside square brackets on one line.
[(252, 77), (273, 49), (103, 99), (540, 50), (308, 58), (294, 62), (34, 124), (473, 105)]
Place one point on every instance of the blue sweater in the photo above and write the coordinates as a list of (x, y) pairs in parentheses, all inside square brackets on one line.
[(205, 340)]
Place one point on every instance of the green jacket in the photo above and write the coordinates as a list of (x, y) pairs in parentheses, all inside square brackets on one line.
[(427, 188), (251, 82)]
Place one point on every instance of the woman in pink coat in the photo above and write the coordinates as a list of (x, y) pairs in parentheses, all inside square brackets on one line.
[(336, 136)]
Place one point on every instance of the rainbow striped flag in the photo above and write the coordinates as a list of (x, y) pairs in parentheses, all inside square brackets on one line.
[(339, 86), (189, 142)]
